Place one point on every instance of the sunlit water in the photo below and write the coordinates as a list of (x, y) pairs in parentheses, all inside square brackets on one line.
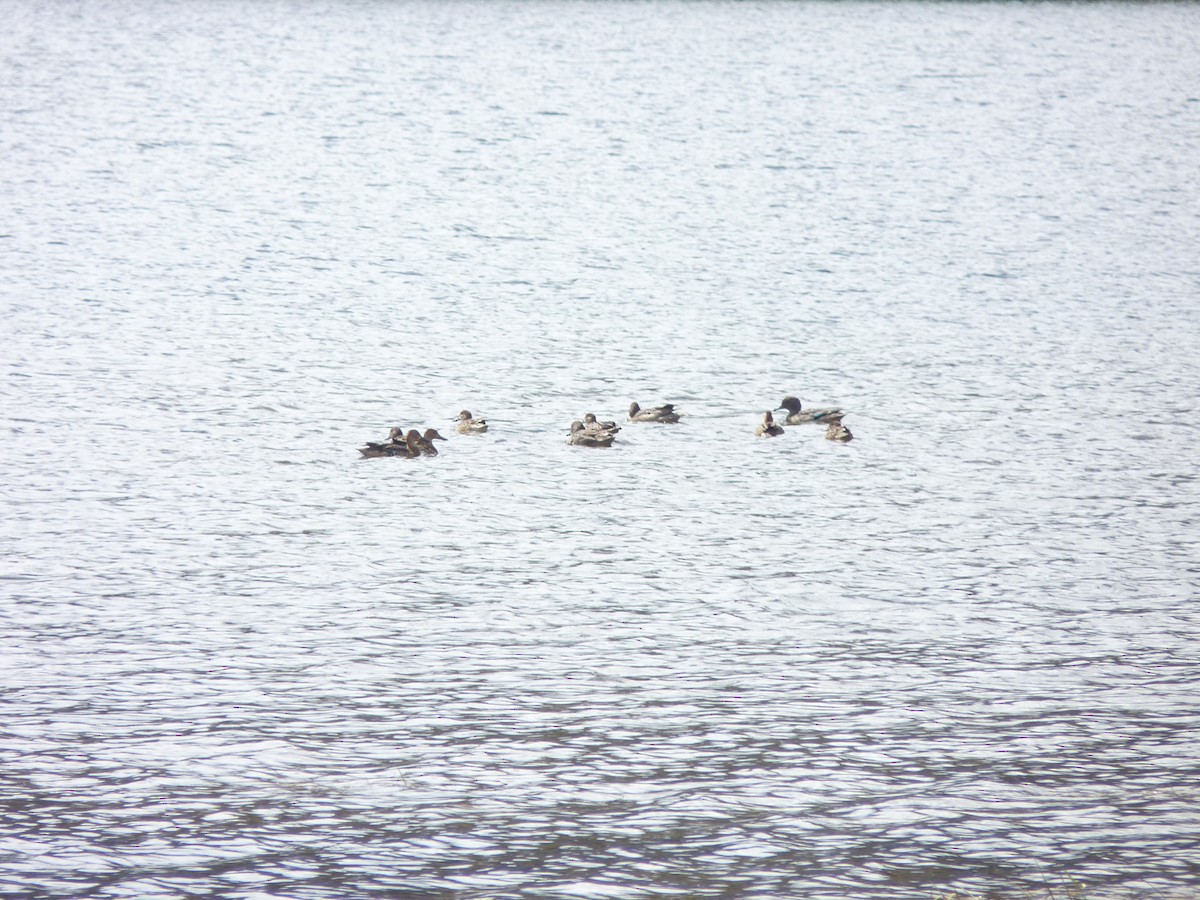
[(960, 653)]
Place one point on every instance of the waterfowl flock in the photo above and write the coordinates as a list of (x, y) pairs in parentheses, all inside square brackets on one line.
[(591, 432), (830, 416), (409, 445)]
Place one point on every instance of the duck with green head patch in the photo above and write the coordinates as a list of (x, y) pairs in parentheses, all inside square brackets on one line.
[(798, 416)]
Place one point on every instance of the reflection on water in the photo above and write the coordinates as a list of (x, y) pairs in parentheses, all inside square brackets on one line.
[(955, 654)]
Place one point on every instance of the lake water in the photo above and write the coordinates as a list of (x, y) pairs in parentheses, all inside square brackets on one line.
[(959, 654)]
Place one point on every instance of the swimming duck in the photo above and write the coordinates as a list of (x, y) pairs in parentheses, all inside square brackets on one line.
[(665, 414), (467, 425), (592, 424), (581, 437), (425, 441), (796, 417), (768, 428), (409, 448), (393, 446), (838, 432)]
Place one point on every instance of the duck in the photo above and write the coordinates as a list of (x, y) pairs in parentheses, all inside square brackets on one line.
[(796, 417), (592, 424), (838, 432), (581, 437), (393, 446), (425, 441), (665, 414), (409, 448), (768, 428), (468, 425)]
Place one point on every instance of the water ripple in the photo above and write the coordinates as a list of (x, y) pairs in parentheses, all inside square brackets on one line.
[(956, 654)]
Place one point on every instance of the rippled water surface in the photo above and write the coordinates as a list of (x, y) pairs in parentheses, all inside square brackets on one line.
[(960, 653)]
